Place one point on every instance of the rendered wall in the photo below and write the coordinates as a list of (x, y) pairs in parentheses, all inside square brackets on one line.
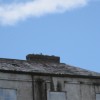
[(22, 84), (74, 88), (78, 88), (39, 87)]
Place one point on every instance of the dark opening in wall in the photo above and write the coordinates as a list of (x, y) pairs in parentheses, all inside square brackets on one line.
[(40, 89), (59, 87)]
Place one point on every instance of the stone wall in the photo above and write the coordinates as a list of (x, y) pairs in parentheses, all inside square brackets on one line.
[(32, 87), (21, 83), (74, 88)]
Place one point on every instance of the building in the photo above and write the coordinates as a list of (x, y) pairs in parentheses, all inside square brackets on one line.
[(42, 77)]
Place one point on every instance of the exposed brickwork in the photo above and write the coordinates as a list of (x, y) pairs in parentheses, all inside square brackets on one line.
[(43, 58)]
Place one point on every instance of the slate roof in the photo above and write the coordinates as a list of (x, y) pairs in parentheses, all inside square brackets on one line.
[(50, 68)]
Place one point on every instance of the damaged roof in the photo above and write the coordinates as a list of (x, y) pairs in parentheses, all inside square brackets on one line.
[(43, 64)]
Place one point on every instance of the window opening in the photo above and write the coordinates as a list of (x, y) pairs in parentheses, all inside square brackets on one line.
[(7, 94), (98, 96), (56, 96)]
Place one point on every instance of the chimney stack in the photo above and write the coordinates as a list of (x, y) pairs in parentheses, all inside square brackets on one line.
[(43, 58)]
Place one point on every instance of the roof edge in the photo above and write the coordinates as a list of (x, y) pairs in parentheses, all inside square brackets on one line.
[(50, 74)]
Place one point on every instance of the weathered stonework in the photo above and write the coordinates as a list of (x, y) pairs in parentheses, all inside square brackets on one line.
[(35, 80)]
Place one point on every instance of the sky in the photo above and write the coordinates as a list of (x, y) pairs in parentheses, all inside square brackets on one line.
[(66, 28)]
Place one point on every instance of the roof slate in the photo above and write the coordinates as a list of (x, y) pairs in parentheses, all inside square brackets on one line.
[(44, 68)]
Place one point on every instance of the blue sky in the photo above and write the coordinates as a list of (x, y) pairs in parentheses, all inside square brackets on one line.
[(70, 30)]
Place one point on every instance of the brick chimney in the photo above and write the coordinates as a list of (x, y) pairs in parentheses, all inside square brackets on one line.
[(43, 58)]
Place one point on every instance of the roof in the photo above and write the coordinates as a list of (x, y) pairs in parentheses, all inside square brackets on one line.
[(43, 67)]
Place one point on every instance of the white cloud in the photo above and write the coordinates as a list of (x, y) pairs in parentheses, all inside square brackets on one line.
[(14, 12)]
